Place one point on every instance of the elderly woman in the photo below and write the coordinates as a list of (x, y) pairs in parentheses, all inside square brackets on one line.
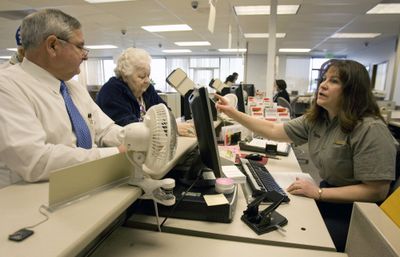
[(348, 142), (126, 97)]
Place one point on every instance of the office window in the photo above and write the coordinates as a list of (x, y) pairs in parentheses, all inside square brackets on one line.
[(158, 73), (98, 71), (204, 62), (171, 64), (315, 66), (230, 65), (108, 67), (95, 72), (203, 69), (379, 76)]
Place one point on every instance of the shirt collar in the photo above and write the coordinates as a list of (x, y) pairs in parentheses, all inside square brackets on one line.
[(40, 74)]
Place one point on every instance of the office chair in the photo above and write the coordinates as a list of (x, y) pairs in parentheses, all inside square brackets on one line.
[(298, 152), (284, 103), (293, 103)]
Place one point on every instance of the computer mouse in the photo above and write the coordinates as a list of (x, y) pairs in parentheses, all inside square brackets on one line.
[(254, 157)]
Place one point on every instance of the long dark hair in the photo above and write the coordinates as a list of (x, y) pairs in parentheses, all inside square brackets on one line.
[(357, 99), (280, 84)]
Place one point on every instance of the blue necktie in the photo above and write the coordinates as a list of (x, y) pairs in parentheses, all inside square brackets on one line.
[(79, 126)]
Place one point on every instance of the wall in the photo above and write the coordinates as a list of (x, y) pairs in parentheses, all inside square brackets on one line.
[(257, 71), (294, 70), (378, 53)]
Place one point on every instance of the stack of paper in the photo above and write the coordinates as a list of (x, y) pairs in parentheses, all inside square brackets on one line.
[(282, 148), (233, 172)]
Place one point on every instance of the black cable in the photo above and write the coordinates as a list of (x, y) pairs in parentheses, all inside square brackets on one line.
[(180, 199)]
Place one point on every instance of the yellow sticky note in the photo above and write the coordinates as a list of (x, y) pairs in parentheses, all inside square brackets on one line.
[(217, 199)]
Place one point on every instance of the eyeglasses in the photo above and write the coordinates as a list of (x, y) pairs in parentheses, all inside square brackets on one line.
[(84, 50)]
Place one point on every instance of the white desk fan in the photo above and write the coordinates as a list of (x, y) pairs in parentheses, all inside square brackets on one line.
[(151, 144)]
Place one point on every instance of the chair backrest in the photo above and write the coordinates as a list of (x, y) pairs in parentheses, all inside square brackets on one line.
[(284, 103), (293, 103)]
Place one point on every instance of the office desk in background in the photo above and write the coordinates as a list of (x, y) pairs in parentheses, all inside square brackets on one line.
[(305, 229), (395, 119), (300, 104)]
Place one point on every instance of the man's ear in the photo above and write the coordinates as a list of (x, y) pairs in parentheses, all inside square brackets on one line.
[(51, 45)]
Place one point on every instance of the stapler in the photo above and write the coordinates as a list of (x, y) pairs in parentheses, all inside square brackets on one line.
[(268, 219)]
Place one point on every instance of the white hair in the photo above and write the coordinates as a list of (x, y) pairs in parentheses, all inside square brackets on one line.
[(130, 60)]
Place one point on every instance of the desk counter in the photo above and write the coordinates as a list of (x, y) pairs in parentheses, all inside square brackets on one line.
[(126, 242), (68, 230), (71, 228), (305, 228)]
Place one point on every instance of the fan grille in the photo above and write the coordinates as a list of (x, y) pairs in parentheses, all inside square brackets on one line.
[(163, 137)]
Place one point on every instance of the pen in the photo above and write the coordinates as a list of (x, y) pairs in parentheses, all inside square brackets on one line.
[(90, 118)]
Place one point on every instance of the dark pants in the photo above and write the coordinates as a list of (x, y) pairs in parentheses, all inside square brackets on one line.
[(337, 219)]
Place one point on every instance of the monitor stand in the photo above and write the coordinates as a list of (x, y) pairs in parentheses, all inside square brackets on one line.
[(192, 206)]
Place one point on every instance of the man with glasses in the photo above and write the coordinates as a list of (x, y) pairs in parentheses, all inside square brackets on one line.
[(49, 121)]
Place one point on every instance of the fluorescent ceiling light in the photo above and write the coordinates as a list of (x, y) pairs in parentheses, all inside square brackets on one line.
[(355, 35), (12, 49), (385, 9), (164, 28), (177, 51), (294, 50), (5, 57), (106, 1), (193, 43), (265, 9), (101, 46), (263, 35), (233, 50)]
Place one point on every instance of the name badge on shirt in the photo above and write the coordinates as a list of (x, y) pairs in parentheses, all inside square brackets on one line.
[(339, 142)]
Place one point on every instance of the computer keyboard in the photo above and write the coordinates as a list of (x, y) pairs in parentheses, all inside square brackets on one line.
[(259, 178)]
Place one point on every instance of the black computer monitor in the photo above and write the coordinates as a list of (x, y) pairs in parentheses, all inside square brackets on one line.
[(186, 112), (185, 86), (207, 143), (249, 88), (238, 91), (185, 106)]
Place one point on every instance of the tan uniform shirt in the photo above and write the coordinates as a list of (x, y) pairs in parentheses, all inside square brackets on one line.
[(368, 153)]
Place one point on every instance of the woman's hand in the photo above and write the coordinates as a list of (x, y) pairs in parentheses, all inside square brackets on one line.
[(122, 148), (222, 105), (305, 188), (186, 129)]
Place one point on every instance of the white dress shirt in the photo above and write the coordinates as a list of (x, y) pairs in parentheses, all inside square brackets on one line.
[(36, 133)]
